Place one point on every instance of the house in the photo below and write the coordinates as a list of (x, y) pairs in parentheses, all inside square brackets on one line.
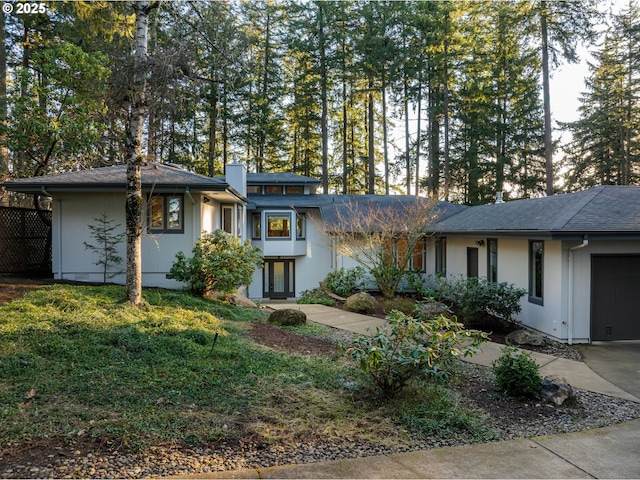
[(180, 205), (577, 255)]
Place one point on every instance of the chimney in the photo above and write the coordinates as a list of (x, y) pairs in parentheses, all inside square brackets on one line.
[(236, 175), (499, 198)]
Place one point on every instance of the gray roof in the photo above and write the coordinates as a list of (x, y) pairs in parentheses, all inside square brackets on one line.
[(159, 177), (601, 211), (331, 206), (277, 178)]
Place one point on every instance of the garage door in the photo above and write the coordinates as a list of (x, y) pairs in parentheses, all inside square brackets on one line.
[(615, 297)]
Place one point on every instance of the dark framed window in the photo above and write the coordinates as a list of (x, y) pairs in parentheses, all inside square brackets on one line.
[(295, 190), (492, 260), (227, 218), (254, 189), (472, 262), (278, 226), (301, 226), (536, 271), (418, 259), (441, 256), (273, 189), (165, 213), (256, 229)]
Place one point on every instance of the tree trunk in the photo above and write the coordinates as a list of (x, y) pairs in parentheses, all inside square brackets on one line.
[(548, 146), (4, 161), (407, 135), (371, 153), (384, 134), (447, 172), (323, 95), (418, 136), (138, 112)]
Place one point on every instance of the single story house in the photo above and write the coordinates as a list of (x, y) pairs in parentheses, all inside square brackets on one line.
[(577, 255)]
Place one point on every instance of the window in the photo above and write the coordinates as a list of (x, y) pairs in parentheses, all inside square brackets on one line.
[(278, 226), (166, 214), (536, 271), (254, 189), (301, 226), (256, 220), (239, 220), (294, 190), (418, 257), (441, 256), (273, 189), (395, 252), (227, 218), (492, 260), (472, 262)]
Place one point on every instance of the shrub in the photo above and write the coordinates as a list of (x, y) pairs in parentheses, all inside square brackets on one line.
[(476, 297), (408, 348), (517, 374), (316, 296), (346, 282), (220, 262), (417, 284), (402, 304)]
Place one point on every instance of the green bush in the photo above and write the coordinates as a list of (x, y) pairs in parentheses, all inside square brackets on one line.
[(517, 374), (417, 285), (220, 262), (408, 348), (402, 304), (346, 282), (475, 297), (316, 296)]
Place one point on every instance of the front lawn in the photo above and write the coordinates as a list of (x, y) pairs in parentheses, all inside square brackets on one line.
[(77, 364)]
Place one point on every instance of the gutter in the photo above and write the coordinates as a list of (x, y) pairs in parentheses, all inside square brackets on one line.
[(585, 242)]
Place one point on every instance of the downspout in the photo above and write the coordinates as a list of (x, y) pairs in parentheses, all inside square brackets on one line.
[(193, 214), (58, 233), (585, 242)]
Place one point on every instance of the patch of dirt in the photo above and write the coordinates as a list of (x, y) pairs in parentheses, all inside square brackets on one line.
[(288, 341)]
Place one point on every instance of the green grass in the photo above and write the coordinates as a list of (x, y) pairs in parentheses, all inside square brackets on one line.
[(107, 371)]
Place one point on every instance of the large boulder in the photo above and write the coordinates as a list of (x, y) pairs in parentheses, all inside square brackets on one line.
[(556, 390), (525, 337), (361, 302), (241, 301), (288, 317)]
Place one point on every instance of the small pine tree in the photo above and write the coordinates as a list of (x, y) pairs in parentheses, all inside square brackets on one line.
[(106, 244)]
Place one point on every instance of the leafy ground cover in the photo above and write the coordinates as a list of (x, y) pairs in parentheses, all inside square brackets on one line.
[(78, 365)]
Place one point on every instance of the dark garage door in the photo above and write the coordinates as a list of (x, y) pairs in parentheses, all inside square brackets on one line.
[(615, 297)]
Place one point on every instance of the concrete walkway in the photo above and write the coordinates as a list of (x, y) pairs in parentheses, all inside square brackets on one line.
[(610, 452)]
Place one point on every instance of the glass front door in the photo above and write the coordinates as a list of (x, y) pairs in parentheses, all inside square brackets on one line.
[(279, 276)]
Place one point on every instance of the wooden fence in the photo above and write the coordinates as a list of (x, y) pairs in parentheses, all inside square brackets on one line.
[(25, 241)]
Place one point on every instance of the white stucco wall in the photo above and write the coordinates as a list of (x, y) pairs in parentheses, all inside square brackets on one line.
[(313, 256), (513, 267), (73, 213)]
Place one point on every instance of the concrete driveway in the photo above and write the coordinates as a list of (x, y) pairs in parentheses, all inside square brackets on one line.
[(617, 362)]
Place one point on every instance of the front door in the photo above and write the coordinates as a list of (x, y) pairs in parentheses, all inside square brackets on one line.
[(279, 277)]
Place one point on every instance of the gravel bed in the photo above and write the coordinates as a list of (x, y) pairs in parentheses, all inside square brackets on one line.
[(590, 410)]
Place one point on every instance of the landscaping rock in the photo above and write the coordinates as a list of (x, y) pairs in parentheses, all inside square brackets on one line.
[(556, 390), (433, 308), (241, 301), (525, 337), (288, 317), (360, 302)]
